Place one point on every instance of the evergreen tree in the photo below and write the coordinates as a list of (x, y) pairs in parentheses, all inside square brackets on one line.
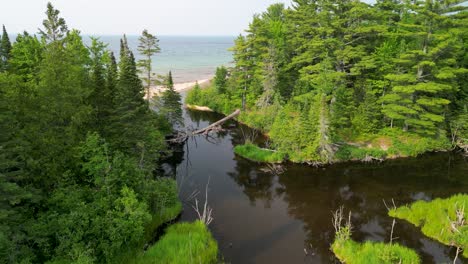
[(55, 27), (148, 46), (171, 102), (5, 50), (425, 71), (220, 79), (101, 97)]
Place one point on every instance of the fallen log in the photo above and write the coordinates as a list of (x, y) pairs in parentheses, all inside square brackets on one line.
[(182, 136), (217, 123)]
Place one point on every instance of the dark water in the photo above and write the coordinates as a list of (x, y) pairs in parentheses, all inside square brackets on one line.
[(261, 218)]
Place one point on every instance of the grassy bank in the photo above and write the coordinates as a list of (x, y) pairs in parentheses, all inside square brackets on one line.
[(182, 243), (438, 219), (255, 153), (167, 209), (351, 252)]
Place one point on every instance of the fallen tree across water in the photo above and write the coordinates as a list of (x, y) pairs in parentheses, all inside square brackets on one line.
[(182, 136)]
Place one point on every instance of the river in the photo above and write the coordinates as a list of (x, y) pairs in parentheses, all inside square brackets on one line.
[(262, 218)]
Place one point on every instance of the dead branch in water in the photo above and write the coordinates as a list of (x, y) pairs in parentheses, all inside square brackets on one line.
[(204, 215), (182, 136)]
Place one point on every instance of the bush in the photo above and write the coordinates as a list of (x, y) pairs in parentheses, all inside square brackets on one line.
[(255, 153), (436, 217), (182, 243)]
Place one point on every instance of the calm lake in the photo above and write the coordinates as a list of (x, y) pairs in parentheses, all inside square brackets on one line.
[(262, 218)]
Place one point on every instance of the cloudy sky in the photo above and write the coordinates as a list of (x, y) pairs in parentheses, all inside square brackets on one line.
[(161, 17)]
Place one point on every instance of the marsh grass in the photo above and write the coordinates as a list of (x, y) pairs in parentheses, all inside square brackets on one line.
[(182, 243), (351, 252), (436, 219), (255, 153)]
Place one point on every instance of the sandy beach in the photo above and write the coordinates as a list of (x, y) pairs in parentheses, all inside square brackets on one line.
[(179, 87)]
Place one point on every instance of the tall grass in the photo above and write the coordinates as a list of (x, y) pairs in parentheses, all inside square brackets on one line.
[(255, 153), (183, 243), (436, 219), (351, 252)]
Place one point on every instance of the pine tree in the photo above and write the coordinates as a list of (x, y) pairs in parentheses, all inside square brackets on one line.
[(220, 79), (5, 50), (55, 27), (101, 96), (148, 46), (171, 102), (425, 71)]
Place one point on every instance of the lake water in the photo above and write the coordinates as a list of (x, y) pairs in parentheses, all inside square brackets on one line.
[(262, 218), (190, 58)]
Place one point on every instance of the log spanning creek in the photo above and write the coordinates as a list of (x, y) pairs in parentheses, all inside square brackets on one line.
[(263, 218)]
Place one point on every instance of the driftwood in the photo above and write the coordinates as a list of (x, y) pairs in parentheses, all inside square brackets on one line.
[(181, 137)]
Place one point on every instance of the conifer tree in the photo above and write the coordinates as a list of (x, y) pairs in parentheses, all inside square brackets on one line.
[(171, 102), (55, 27), (425, 71), (5, 50), (148, 46), (101, 96), (220, 79)]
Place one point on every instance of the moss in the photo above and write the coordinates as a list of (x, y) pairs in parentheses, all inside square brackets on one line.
[(182, 243), (435, 217), (351, 252), (255, 153)]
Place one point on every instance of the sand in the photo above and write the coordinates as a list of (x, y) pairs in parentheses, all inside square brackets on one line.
[(179, 87)]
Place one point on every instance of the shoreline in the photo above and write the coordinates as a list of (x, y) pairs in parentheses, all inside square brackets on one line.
[(178, 87)]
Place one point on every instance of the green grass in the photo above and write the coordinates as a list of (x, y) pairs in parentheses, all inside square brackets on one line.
[(348, 152), (435, 217), (167, 214), (351, 252), (255, 153), (182, 243)]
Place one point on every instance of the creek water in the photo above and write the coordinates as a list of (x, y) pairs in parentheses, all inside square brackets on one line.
[(263, 218)]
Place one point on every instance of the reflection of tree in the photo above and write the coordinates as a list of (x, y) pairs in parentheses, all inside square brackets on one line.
[(255, 184)]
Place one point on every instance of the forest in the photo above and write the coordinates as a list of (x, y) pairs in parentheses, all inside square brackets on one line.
[(79, 148), (328, 81)]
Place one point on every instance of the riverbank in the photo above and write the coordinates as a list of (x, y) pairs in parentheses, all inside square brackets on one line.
[(292, 136)]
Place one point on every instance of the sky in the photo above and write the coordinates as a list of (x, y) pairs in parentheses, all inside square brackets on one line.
[(160, 17)]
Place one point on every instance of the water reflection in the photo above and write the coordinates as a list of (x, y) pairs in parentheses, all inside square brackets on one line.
[(263, 218)]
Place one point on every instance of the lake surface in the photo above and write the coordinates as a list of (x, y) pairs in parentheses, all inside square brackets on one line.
[(262, 218), (190, 58)]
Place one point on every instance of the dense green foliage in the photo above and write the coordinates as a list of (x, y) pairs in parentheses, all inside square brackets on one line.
[(182, 243), (325, 75), (254, 153), (438, 219), (78, 151), (352, 252)]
